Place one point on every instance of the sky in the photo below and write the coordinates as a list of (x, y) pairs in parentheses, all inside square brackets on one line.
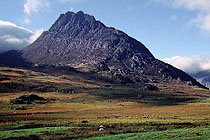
[(175, 31)]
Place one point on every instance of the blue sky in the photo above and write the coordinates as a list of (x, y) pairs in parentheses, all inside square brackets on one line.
[(168, 28)]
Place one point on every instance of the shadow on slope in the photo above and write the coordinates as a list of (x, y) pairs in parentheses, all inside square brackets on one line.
[(127, 94), (13, 58)]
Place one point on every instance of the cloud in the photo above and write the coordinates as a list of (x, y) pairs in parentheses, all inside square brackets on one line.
[(11, 39), (203, 22), (26, 21), (33, 6), (190, 64), (33, 37), (201, 7), (15, 37)]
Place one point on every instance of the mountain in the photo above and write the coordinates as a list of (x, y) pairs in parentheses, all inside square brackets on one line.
[(203, 77), (78, 40)]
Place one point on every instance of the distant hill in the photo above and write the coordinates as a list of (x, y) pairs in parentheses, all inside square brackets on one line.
[(203, 77), (78, 40)]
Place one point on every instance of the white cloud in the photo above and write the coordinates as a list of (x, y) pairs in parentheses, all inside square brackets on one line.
[(10, 40), (190, 64), (33, 6), (15, 37), (35, 35), (203, 22), (188, 4), (13, 40), (201, 7), (26, 21), (6, 24)]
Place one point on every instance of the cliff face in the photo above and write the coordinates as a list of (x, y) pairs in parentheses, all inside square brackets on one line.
[(79, 41), (78, 38)]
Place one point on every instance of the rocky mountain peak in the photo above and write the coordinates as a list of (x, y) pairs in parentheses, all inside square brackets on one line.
[(77, 38), (69, 20), (80, 41)]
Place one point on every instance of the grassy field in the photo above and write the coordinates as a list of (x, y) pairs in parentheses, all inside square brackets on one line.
[(201, 133), (77, 105)]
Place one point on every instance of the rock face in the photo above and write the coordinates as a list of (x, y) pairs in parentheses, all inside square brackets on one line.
[(79, 41)]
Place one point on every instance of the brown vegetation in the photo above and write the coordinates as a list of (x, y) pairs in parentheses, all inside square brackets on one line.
[(120, 109)]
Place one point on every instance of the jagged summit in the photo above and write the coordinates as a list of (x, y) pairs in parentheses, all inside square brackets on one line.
[(80, 41), (65, 21), (77, 38)]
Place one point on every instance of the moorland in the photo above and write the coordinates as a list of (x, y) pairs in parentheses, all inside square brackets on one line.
[(75, 105)]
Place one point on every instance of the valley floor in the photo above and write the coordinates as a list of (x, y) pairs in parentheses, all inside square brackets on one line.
[(122, 112)]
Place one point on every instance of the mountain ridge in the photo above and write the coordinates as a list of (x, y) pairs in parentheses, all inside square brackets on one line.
[(78, 40)]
